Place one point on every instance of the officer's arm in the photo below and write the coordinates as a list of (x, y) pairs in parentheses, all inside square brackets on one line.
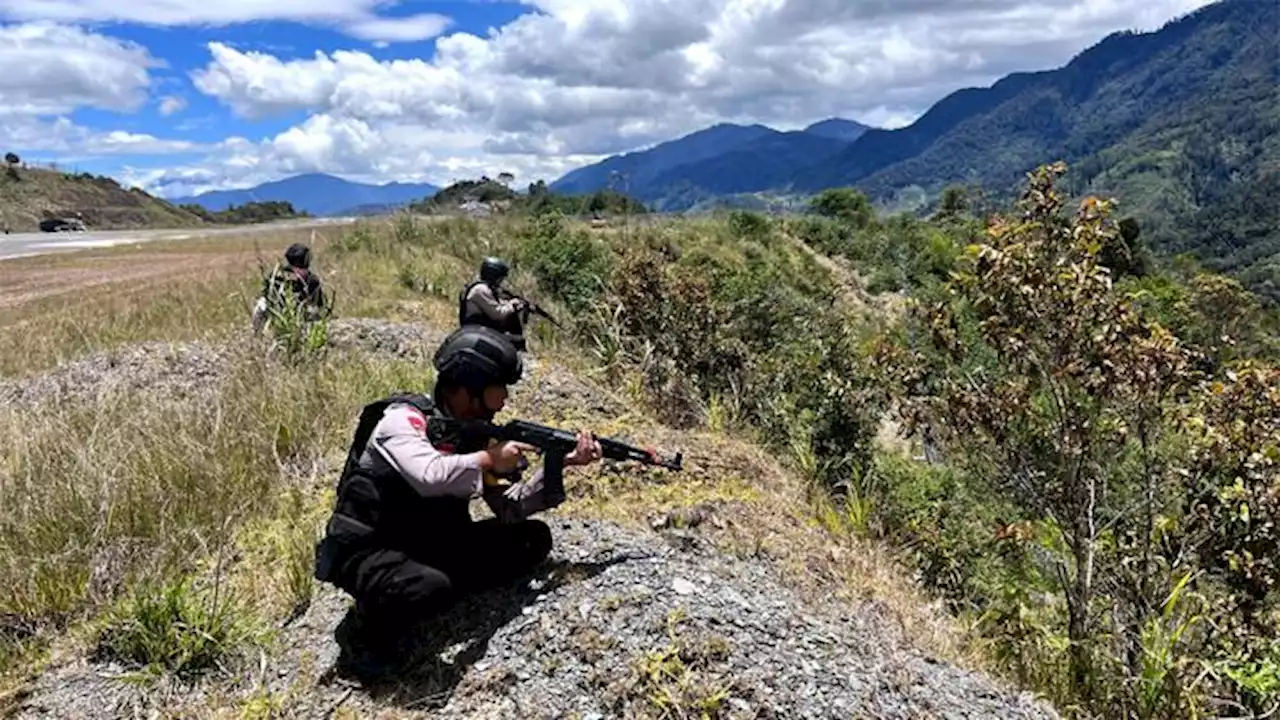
[(400, 439), (518, 501), (482, 296)]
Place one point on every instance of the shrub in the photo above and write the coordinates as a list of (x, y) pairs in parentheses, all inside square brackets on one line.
[(568, 263)]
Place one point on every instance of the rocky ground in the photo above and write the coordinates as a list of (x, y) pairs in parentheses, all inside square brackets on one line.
[(618, 624), (621, 622), (175, 369)]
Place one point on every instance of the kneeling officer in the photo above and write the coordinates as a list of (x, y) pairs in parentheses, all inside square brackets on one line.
[(401, 540)]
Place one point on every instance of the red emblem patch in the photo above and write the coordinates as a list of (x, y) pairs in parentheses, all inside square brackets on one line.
[(418, 422)]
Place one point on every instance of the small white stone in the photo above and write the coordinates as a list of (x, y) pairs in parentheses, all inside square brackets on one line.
[(682, 586)]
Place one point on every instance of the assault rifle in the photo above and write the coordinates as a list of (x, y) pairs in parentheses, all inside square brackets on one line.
[(530, 305), (555, 444)]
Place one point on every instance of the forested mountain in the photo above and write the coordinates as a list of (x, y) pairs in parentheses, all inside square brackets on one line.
[(722, 160), (641, 167), (1180, 125)]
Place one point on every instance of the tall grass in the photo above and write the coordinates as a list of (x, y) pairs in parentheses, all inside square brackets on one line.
[(103, 496)]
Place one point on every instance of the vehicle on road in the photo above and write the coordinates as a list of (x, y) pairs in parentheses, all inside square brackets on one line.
[(62, 225)]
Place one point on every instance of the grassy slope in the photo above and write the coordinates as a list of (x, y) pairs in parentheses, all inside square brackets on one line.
[(102, 202), (258, 489)]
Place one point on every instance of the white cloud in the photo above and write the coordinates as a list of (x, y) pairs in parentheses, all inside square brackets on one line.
[(171, 104), (53, 69), (384, 30), (358, 18), (60, 137)]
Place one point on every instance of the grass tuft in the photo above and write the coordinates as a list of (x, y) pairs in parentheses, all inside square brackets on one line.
[(173, 627)]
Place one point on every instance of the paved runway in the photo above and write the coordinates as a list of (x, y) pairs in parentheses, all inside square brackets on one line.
[(42, 243)]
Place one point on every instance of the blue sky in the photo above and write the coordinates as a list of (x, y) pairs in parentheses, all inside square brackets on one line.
[(180, 96)]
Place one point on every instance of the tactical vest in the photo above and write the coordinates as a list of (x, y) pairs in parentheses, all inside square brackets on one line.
[(475, 316), (381, 510), (513, 327), (287, 279)]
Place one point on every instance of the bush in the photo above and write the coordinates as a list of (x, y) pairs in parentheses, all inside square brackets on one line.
[(568, 263)]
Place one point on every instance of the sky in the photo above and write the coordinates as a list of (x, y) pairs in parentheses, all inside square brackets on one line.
[(184, 96)]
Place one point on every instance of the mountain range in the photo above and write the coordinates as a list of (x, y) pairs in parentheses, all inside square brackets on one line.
[(1147, 92), (318, 194), (1181, 125), (723, 159)]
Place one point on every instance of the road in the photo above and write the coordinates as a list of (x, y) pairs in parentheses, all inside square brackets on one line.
[(41, 243)]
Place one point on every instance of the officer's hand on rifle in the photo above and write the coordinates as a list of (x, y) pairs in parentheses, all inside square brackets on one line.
[(587, 451), (504, 457)]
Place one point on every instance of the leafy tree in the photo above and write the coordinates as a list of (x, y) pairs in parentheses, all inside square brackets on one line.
[(1055, 386), (846, 204), (953, 203)]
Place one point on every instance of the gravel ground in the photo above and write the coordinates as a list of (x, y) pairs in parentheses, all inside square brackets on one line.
[(617, 619), (175, 369), (180, 370), (379, 337)]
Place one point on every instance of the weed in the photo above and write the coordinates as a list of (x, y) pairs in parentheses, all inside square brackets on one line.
[(172, 627), (677, 680)]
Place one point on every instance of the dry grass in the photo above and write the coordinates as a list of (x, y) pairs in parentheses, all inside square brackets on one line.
[(101, 497), (57, 307)]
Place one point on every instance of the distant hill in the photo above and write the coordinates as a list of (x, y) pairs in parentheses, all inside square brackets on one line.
[(318, 194), (29, 195), (721, 160), (643, 166), (838, 129)]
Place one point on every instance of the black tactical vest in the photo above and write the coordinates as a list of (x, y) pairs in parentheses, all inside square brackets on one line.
[(381, 510)]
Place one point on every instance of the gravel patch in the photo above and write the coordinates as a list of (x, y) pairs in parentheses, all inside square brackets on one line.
[(618, 618), (179, 370), (416, 341)]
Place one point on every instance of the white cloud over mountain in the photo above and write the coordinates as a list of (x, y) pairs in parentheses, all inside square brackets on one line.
[(563, 85)]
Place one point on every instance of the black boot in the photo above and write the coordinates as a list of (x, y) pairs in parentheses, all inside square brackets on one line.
[(368, 644)]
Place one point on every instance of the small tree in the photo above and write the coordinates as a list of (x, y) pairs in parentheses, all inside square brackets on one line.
[(1050, 383), (12, 160), (953, 203)]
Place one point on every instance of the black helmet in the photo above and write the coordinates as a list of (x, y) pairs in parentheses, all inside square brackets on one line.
[(493, 270), (298, 255), (475, 356)]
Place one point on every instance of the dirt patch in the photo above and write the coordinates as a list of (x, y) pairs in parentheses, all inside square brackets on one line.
[(21, 285)]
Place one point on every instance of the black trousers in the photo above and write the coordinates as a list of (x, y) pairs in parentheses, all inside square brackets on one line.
[(394, 585)]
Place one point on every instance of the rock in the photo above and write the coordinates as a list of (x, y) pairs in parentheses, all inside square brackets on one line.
[(683, 587)]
